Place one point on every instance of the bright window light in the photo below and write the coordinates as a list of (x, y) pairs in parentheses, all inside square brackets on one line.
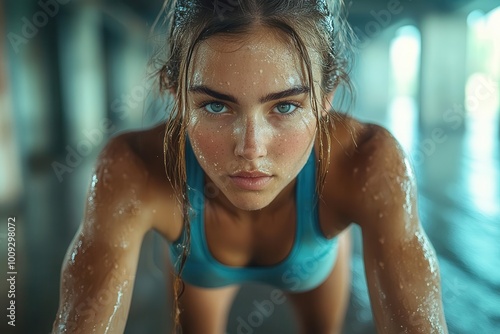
[(405, 61)]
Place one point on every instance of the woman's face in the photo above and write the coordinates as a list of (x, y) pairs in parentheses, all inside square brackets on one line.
[(251, 124)]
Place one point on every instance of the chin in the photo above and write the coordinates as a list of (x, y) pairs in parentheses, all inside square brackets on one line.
[(251, 202)]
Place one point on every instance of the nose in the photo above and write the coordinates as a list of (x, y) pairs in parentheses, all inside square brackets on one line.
[(251, 139)]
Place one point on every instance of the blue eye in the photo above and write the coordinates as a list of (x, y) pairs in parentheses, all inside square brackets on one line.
[(214, 107), (286, 108)]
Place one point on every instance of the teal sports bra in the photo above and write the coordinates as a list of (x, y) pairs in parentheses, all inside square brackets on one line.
[(308, 264)]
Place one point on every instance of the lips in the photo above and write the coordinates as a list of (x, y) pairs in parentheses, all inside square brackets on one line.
[(250, 174), (251, 180)]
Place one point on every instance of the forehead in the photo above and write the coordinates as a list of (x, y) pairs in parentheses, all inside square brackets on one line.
[(261, 52)]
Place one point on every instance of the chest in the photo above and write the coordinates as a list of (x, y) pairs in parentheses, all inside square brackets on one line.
[(265, 242)]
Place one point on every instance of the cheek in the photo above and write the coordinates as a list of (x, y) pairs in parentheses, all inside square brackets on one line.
[(293, 148), (209, 144), (298, 134)]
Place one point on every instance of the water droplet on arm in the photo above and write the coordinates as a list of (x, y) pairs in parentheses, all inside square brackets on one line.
[(94, 180)]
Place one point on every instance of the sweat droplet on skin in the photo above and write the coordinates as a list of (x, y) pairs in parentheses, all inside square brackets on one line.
[(75, 251), (428, 252), (94, 180), (120, 292), (92, 192), (106, 178)]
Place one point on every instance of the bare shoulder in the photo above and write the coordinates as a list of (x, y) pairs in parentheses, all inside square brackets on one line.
[(375, 176), (129, 184), (102, 258)]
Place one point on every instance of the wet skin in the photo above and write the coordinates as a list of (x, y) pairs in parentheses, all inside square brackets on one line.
[(248, 222)]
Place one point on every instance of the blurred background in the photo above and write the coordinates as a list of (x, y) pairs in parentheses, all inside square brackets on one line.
[(74, 73)]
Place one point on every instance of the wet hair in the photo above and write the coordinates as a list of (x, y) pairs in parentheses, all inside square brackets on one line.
[(318, 25)]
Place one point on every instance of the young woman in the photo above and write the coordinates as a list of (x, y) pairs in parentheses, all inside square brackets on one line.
[(255, 178)]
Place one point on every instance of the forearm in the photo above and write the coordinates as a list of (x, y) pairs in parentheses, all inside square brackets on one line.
[(404, 286), (91, 310), (95, 294)]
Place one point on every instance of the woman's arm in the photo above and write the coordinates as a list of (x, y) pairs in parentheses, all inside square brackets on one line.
[(400, 263), (98, 272)]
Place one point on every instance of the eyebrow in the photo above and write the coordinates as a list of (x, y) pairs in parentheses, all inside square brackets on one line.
[(297, 90)]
